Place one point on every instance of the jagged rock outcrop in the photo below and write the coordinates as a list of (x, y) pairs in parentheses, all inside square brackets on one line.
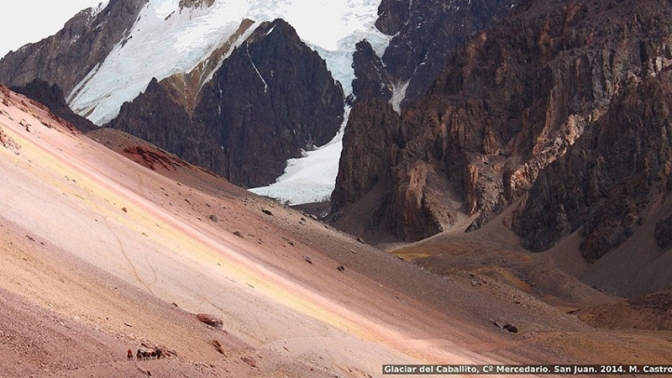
[(159, 117), (52, 97), (195, 3), (559, 95), (393, 15), (370, 142), (426, 35), (371, 79), (400, 195), (607, 181), (269, 100), (68, 56)]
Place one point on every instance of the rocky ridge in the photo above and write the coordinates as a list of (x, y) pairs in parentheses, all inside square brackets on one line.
[(271, 98), (53, 98), (425, 35), (68, 56), (560, 109)]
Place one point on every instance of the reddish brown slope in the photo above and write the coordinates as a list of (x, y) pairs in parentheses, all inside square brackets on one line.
[(98, 248)]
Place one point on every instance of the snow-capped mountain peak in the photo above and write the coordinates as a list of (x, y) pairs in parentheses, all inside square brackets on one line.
[(169, 38), (243, 112)]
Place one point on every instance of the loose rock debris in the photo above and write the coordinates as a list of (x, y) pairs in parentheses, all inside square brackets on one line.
[(149, 354), (210, 320), (250, 361), (218, 346), (503, 324)]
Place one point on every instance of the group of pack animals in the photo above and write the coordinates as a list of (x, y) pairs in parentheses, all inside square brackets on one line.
[(143, 355)]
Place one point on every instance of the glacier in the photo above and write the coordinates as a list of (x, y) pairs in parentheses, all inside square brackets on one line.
[(310, 178), (167, 40)]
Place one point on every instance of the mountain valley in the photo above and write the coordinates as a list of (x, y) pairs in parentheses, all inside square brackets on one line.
[(441, 182), (103, 252)]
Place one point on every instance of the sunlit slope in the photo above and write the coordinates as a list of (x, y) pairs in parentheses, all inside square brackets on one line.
[(159, 236)]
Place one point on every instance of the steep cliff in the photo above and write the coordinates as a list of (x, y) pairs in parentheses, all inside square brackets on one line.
[(568, 92), (425, 35), (272, 98), (607, 181), (371, 79)]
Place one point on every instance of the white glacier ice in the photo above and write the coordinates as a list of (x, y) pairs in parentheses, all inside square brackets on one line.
[(166, 40), (310, 178)]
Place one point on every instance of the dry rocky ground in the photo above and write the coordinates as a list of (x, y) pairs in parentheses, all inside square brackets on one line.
[(99, 254)]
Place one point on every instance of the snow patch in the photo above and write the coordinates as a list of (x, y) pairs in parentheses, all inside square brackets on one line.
[(237, 43), (255, 68), (310, 178), (398, 95)]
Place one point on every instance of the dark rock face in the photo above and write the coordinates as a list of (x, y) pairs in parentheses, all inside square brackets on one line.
[(606, 180), (159, 118), (427, 36), (392, 15), (52, 97), (269, 100), (371, 82), (427, 33), (664, 233), (623, 160), (277, 97), (563, 106), (195, 3), (369, 143), (68, 56), (375, 160)]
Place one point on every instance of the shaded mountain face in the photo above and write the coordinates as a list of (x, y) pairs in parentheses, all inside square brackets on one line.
[(68, 56), (107, 57), (269, 100), (561, 109), (371, 77), (609, 180), (425, 35), (52, 97)]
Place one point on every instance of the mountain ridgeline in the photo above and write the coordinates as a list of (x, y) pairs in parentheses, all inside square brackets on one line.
[(269, 100), (551, 116), (270, 97), (69, 55), (560, 114), (425, 35)]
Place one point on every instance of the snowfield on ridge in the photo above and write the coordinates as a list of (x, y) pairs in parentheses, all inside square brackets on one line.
[(168, 40)]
